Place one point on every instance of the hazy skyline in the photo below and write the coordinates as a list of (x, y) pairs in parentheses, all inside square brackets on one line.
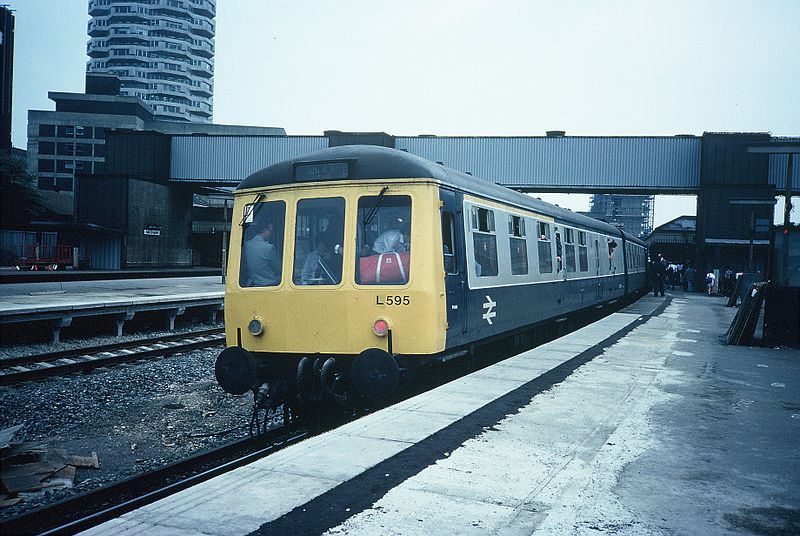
[(505, 68)]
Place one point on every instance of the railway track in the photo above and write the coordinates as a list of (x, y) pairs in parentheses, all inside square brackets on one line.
[(91, 508), (25, 368)]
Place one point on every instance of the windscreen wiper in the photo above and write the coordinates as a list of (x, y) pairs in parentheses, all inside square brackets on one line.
[(253, 211), (374, 210)]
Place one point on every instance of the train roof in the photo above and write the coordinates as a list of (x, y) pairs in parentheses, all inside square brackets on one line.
[(369, 162)]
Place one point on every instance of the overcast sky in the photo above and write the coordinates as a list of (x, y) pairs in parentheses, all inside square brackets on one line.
[(505, 68)]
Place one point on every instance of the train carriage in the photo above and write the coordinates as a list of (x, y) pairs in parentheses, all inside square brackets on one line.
[(354, 264)]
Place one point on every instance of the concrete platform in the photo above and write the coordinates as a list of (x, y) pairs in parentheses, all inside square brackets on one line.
[(60, 302), (8, 275), (636, 424)]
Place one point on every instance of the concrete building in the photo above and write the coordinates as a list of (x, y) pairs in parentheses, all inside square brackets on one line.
[(71, 140), (633, 213), (6, 75), (675, 240), (162, 51)]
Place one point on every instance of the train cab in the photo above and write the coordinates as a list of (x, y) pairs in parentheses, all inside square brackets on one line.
[(330, 269)]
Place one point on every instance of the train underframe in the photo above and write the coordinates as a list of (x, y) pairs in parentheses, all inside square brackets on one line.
[(300, 385)]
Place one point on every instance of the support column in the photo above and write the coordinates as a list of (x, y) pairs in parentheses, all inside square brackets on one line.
[(58, 325), (214, 313), (121, 319), (172, 314)]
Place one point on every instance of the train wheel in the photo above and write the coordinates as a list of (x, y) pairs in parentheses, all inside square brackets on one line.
[(330, 383), (375, 374), (305, 380)]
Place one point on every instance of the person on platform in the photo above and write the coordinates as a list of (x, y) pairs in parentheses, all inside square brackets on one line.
[(689, 278), (261, 259), (710, 278), (659, 274)]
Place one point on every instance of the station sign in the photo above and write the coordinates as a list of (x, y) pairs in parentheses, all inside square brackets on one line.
[(152, 231)]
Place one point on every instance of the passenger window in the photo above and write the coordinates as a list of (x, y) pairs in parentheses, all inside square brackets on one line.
[(545, 253), (612, 247), (583, 254), (383, 240), (484, 242), (262, 244), (518, 245), (559, 253), (569, 250), (318, 239), (597, 256), (448, 243)]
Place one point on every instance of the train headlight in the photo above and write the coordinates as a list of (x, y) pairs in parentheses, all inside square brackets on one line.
[(255, 327), (380, 327)]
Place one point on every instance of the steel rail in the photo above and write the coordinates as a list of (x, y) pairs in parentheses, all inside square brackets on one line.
[(94, 507), (90, 358), (88, 350)]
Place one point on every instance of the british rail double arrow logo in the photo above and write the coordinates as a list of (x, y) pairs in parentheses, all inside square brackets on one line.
[(490, 313)]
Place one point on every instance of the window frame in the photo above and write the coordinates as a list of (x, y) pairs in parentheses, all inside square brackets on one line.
[(517, 237), (484, 234)]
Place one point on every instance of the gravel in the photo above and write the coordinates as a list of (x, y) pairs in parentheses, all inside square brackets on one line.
[(136, 417)]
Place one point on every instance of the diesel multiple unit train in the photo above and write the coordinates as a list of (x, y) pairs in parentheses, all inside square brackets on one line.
[(354, 264)]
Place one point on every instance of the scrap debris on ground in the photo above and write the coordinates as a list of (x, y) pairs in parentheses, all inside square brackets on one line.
[(30, 468)]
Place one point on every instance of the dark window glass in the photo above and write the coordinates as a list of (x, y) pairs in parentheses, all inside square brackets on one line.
[(383, 240), (83, 132), (99, 133), (64, 184), (449, 243), (612, 248), (597, 256), (47, 131), (318, 240), (545, 257), (518, 245), (544, 231), (99, 167), (83, 149), (47, 147), (569, 252), (100, 150), (66, 131), (583, 258), (485, 246), (484, 242), (46, 183), (46, 165), (65, 166), (483, 220), (65, 149), (545, 253), (519, 256), (262, 247)]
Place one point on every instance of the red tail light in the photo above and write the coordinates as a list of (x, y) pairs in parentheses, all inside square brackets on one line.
[(381, 327)]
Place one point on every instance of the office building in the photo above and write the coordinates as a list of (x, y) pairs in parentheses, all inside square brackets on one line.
[(6, 72), (161, 50), (633, 213), (71, 140)]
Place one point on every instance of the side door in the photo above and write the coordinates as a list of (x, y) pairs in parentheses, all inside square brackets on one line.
[(454, 264)]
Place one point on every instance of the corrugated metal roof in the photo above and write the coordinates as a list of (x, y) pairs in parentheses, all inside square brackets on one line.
[(588, 163), (232, 158)]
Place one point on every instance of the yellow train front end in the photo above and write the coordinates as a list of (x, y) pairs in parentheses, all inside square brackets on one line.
[(332, 284)]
